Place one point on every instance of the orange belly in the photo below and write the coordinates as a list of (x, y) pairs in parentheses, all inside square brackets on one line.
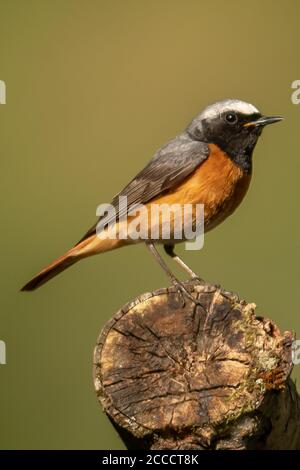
[(218, 183)]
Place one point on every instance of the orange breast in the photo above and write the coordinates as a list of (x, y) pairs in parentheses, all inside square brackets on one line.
[(218, 183)]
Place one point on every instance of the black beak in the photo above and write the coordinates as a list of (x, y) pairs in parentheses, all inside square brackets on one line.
[(264, 121)]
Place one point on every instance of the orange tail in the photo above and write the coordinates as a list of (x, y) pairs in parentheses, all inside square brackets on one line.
[(87, 247), (50, 271), (59, 265)]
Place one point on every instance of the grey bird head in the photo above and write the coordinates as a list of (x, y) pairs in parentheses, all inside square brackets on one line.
[(234, 126)]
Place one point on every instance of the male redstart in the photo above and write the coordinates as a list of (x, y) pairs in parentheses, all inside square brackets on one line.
[(209, 163)]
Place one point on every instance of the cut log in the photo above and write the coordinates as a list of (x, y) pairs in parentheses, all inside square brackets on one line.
[(213, 376)]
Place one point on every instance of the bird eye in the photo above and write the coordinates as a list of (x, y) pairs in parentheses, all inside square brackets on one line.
[(231, 118)]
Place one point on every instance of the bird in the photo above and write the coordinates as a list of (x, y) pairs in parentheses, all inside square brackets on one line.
[(209, 163)]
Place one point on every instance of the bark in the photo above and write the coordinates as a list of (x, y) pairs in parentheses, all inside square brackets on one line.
[(186, 377)]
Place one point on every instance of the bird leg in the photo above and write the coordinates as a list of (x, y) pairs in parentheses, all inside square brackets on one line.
[(169, 249), (176, 282)]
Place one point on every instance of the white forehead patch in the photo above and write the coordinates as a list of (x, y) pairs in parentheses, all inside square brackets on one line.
[(214, 110)]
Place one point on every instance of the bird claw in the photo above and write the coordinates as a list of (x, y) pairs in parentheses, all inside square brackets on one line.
[(183, 292), (197, 278)]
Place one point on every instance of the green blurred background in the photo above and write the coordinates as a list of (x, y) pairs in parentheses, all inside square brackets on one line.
[(93, 89)]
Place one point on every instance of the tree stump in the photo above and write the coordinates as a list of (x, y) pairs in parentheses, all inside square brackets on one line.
[(174, 377)]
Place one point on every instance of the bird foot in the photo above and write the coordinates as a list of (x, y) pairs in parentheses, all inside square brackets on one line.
[(184, 293)]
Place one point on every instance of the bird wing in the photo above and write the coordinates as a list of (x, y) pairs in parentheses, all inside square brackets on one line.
[(167, 168)]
